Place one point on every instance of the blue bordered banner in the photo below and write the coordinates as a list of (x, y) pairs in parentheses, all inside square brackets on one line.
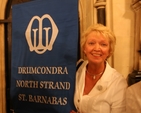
[(44, 54)]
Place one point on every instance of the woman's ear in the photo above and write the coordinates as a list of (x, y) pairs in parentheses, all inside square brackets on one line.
[(84, 50), (109, 55), (84, 53)]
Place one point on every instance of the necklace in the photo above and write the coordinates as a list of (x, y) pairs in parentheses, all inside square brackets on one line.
[(94, 76)]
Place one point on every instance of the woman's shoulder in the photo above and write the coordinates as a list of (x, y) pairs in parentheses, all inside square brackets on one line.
[(135, 86), (80, 61), (113, 71), (114, 75)]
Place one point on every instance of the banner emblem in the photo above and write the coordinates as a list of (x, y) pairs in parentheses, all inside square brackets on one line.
[(40, 48)]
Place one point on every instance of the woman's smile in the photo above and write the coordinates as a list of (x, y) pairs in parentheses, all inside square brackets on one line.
[(96, 54)]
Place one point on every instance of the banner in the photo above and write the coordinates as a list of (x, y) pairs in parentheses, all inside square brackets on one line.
[(44, 54)]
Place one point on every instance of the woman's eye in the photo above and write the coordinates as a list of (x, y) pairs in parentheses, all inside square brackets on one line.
[(91, 43), (104, 44)]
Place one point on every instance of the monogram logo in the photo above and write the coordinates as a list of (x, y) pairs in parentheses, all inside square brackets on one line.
[(36, 43)]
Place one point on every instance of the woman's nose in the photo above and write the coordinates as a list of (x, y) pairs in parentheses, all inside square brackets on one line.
[(97, 46)]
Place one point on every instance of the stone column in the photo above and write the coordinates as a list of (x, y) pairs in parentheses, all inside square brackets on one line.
[(135, 76), (136, 5), (2, 59), (100, 6)]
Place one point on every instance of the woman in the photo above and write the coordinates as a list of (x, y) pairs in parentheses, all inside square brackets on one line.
[(133, 98), (99, 88)]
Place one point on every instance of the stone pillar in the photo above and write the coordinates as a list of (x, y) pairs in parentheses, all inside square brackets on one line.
[(86, 18), (136, 5), (135, 76), (100, 6), (2, 59)]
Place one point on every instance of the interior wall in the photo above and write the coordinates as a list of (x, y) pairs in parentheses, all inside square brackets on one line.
[(123, 27)]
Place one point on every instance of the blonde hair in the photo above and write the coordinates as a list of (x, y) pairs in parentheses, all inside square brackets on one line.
[(107, 33)]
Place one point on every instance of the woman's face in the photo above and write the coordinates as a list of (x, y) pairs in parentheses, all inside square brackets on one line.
[(96, 48)]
